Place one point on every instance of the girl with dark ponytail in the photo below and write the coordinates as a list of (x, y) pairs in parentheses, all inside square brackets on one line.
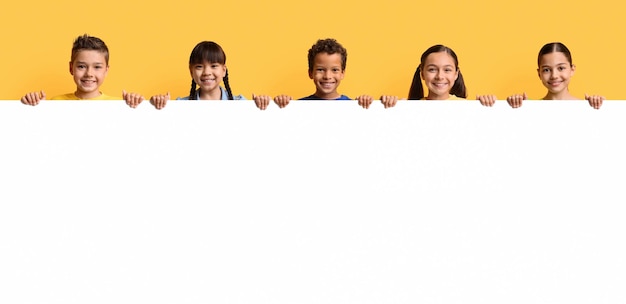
[(555, 69)]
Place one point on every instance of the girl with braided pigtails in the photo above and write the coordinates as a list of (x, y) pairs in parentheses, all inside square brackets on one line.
[(207, 67)]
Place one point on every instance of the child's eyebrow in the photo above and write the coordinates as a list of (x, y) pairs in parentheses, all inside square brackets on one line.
[(83, 62), (558, 64), (434, 65)]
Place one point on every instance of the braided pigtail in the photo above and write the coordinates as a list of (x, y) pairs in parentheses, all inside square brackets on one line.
[(227, 85), (192, 92)]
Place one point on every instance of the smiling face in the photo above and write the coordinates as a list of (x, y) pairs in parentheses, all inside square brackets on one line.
[(439, 72), (327, 75), (208, 76), (89, 69), (555, 72)]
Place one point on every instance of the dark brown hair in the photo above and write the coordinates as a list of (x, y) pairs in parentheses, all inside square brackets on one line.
[(458, 89), (211, 52), (329, 46)]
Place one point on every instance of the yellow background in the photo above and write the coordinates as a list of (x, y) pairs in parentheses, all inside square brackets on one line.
[(266, 43)]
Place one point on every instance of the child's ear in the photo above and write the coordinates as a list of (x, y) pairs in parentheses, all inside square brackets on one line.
[(71, 69), (573, 68), (310, 74)]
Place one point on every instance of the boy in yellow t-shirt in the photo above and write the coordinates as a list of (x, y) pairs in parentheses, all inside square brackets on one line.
[(89, 66)]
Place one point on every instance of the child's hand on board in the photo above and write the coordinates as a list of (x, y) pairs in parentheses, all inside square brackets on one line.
[(282, 100), (261, 101), (595, 100), (159, 101), (487, 100), (33, 98), (515, 101), (365, 101), (389, 101), (132, 99)]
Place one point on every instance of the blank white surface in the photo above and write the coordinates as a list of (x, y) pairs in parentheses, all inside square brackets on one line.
[(320, 202)]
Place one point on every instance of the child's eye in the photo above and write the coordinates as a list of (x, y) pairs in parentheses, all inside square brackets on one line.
[(561, 68), (545, 70), (215, 66)]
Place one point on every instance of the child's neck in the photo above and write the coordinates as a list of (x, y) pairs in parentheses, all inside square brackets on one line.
[(563, 95), (210, 95)]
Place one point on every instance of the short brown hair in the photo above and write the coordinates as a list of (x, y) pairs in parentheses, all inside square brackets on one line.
[(86, 42)]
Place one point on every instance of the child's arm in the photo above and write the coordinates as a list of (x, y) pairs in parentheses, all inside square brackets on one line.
[(282, 100), (515, 101), (132, 99), (595, 100), (159, 101), (261, 101), (487, 100), (33, 98)]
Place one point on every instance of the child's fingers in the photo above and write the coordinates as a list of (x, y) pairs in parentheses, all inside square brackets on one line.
[(594, 100), (261, 101), (159, 101), (282, 100), (515, 101), (486, 100), (159, 104), (388, 101), (364, 101), (132, 99), (31, 99)]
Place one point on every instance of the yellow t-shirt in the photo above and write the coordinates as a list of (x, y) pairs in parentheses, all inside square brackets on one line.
[(71, 96)]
